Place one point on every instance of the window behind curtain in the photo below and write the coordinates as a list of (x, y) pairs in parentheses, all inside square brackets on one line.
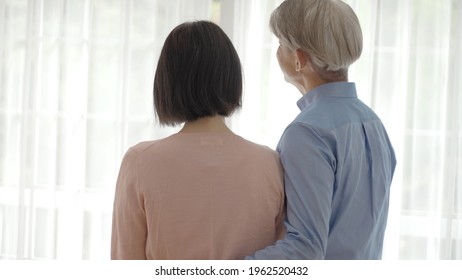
[(76, 85), (75, 92)]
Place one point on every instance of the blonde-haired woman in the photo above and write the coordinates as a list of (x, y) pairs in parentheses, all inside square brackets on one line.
[(337, 157)]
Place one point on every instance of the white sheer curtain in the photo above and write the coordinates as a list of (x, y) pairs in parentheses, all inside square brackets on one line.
[(411, 75), (75, 93), (75, 81)]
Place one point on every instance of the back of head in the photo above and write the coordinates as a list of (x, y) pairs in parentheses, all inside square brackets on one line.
[(327, 30), (198, 74)]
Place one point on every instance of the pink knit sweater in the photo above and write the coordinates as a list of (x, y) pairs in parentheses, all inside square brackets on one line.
[(197, 196)]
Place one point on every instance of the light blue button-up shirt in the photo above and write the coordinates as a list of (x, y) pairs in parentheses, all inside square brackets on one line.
[(338, 164)]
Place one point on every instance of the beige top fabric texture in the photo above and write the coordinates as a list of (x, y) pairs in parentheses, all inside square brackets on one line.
[(197, 196)]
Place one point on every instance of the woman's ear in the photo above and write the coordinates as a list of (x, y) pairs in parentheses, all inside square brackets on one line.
[(302, 59)]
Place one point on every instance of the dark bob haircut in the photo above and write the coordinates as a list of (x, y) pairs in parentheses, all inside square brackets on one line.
[(198, 74)]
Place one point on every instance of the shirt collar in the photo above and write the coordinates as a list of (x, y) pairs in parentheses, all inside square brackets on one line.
[(336, 89)]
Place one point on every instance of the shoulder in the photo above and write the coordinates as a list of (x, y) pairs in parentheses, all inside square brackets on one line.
[(143, 146), (256, 149), (259, 156), (301, 131), (303, 142), (138, 151), (159, 146)]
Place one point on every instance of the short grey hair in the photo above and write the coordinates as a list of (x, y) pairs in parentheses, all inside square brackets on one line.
[(328, 30)]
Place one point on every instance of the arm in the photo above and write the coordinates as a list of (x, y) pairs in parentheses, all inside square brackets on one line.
[(309, 167), (129, 230), (280, 227)]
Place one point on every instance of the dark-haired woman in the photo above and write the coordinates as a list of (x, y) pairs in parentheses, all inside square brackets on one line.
[(205, 192)]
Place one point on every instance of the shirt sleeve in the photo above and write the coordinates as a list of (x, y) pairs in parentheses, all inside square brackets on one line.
[(309, 167), (129, 228)]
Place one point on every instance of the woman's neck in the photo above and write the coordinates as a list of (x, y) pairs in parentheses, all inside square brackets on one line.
[(207, 124)]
